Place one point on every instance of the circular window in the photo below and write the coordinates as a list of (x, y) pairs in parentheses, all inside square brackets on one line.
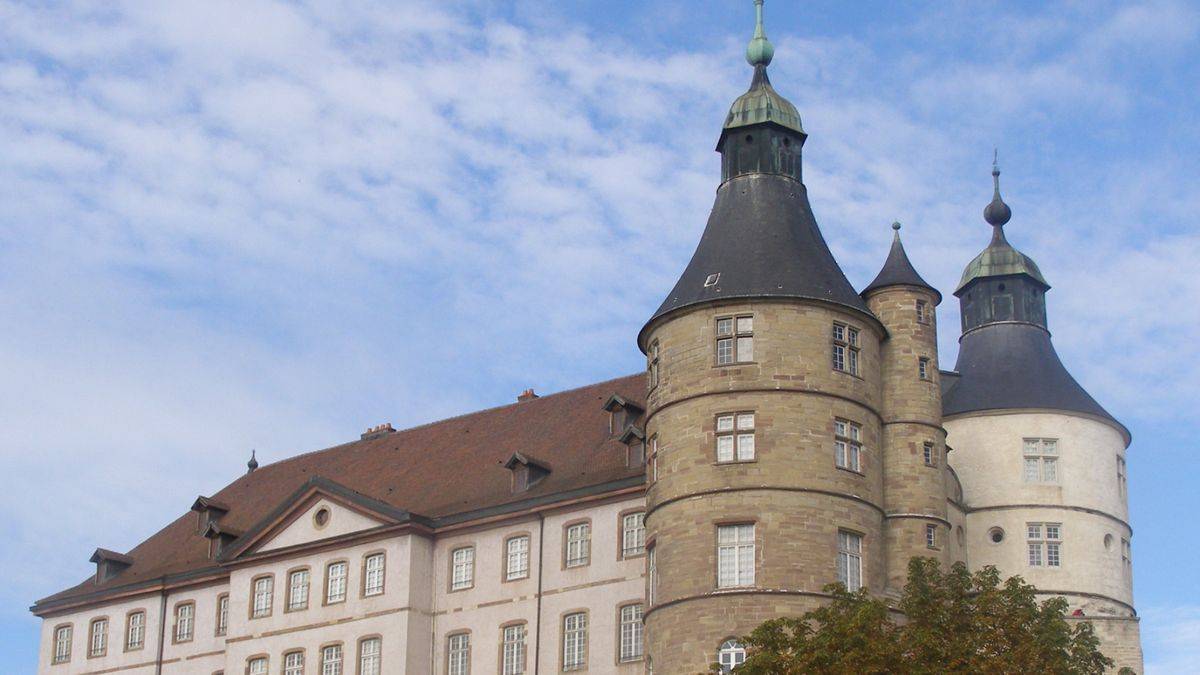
[(996, 535), (1107, 542), (321, 517)]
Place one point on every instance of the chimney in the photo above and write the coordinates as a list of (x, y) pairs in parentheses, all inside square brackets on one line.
[(378, 431), (526, 395)]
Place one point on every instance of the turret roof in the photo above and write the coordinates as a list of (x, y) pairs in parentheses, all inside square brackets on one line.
[(898, 270)]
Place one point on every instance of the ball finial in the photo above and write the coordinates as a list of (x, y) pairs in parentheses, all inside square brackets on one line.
[(896, 225), (997, 213), (761, 51)]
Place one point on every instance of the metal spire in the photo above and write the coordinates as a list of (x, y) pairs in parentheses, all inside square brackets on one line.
[(761, 51), (997, 213), (252, 464)]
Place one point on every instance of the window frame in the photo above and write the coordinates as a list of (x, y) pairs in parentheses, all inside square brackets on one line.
[(450, 650), (735, 648), (270, 594), (736, 546), (345, 581), (651, 574), (451, 576), (922, 311), (1048, 548), (850, 342), (855, 557), (506, 569), (284, 660), (930, 454), (322, 661), (931, 538), (637, 632), (623, 551), (1122, 475), (734, 337), (129, 629), (358, 651), (1040, 456), (266, 661), (57, 656), (585, 544), (175, 623), (652, 464), (653, 367), (851, 441), (583, 637), (924, 369), (222, 616), (364, 589), (736, 433), (307, 586), (92, 652), (523, 642)]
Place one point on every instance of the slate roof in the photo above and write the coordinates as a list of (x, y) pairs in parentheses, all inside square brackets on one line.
[(898, 270), (764, 242), (1014, 365), (443, 472)]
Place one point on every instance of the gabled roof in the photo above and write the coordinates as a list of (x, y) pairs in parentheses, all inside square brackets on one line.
[(448, 471), (103, 554)]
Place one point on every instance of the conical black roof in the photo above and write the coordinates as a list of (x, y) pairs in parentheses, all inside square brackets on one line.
[(898, 270), (761, 241)]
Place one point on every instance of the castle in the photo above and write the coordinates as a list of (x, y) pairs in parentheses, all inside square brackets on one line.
[(788, 432)]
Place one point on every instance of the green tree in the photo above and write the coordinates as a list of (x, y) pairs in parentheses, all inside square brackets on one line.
[(948, 622)]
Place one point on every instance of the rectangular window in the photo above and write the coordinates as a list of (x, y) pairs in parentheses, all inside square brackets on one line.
[(630, 637), (222, 614), (931, 536), (293, 663), (373, 571), (845, 348), (462, 573), (98, 644), (633, 534), (923, 368), (263, 589), (335, 582), (579, 544), (185, 621), (331, 660), (735, 340), (652, 358), (257, 666), (575, 641), (298, 584), (370, 656), (1041, 460), (735, 437), (135, 631), (653, 465), (922, 312), (1121, 480), (513, 650), (1126, 554), (518, 558), (62, 644), (1045, 544), (458, 654), (735, 556), (847, 445), (651, 576), (931, 455), (849, 561)]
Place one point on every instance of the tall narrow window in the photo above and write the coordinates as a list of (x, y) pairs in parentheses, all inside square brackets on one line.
[(651, 576), (462, 573), (222, 614), (458, 654), (370, 656), (845, 348), (633, 534), (735, 437), (1121, 480), (575, 641), (1041, 460), (185, 621), (298, 585), (98, 642), (517, 566), (735, 340), (931, 536), (135, 630), (923, 368), (263, 590), (922, 311), (931, 458), (293, 663), (1126, 554), (579, 545), (730, 655), (847, 445), (331, 660), (335, 582), (513, 650), (653, 464), (849, 561), (373, 574), (652, 357), (257, 666), (630, 636), (1045, 544), (62, 644), (735, 556)]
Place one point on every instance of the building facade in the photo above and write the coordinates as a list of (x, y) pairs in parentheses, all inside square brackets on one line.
[(789, 432)]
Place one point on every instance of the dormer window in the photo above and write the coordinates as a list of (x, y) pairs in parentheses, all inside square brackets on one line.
[(622, 413), (635, 440), (220, 538), (735, 340), (526, 472), (208, 511), (109, 564)]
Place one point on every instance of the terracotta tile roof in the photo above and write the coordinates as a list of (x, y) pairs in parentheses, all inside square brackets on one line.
[(442, 470)]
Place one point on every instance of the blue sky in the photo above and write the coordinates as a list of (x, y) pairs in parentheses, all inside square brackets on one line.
[(252, 224)]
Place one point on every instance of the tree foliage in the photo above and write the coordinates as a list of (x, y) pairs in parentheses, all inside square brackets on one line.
[(948, 622)]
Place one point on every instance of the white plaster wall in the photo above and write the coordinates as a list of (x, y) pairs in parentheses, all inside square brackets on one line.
[(116, 656), (988, 457), (304, 529)]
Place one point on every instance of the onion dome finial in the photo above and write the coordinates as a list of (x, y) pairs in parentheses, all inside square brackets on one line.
[(760, 51), (997, 212), (252, 464)]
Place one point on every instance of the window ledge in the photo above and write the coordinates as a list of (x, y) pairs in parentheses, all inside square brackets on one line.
[(736, 462), (849, 470)]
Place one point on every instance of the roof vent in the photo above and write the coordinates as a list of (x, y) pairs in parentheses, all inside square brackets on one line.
[(526, 395), (712, 279), (109, 564), (378, 431)]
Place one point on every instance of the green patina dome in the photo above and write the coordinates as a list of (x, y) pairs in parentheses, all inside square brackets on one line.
[(762, 103), (999, 258)]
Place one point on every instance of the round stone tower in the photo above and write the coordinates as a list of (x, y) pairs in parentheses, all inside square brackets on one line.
[(763, 415), (914, 442), (1042, 464)]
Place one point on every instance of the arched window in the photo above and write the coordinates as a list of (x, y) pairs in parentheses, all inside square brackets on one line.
[(731, 655)]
